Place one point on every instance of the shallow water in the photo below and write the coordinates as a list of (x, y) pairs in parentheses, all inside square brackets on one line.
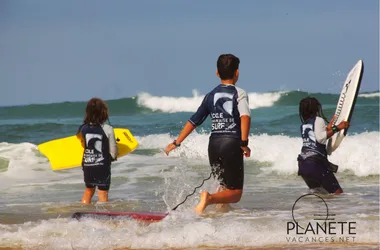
[(36, 203)]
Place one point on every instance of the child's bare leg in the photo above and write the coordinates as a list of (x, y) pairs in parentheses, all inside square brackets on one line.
[(102, 195), (87, 195), (223, 197), (226, 196), (222, 207), (203, 203)]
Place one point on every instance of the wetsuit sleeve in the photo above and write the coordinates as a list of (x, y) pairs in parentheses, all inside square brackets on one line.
[(108, 130), (320, 130), (200, 116), (80, 129), (243, 103), (80, 135)]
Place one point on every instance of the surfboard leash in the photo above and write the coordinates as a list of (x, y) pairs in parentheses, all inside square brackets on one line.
[(173, 209), (187, 196)]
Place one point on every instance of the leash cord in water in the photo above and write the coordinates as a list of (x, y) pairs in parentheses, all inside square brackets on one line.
[(192, 192), (188, 194)]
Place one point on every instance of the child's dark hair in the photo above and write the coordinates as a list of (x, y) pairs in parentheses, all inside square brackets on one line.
[(96, 112), (227, 65), (310, 107)]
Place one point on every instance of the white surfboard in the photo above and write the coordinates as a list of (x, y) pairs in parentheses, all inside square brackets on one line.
[(346, 104)]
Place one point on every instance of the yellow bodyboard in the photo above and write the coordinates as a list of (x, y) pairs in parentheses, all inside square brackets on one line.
[(67, 152)]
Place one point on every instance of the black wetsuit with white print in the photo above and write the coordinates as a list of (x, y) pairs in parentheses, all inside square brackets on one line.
[(97, 155), (225, 104)]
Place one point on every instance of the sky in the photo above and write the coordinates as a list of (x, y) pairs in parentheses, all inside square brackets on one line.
[(55, 51)]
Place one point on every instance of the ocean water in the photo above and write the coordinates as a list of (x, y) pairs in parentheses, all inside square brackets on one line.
[(36, 203)]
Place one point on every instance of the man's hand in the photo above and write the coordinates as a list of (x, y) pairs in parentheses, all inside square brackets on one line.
[(246, 151), (169, 148)]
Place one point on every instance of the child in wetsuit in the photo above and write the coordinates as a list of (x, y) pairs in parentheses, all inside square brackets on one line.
[(228, 107), (313, 164), (98, 140)]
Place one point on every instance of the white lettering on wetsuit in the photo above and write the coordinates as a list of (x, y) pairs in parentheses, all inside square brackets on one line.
[(217, 126), (216, 115), (219, 122), (93, 154)]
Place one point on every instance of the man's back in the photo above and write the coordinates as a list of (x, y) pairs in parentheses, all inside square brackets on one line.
[(225, 104)]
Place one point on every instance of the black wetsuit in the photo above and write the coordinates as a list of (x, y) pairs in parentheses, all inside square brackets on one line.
[(96, 162), (225, 104), (313, 164)]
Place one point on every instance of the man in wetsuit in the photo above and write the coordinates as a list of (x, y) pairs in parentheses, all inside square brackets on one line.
[(228, 108)]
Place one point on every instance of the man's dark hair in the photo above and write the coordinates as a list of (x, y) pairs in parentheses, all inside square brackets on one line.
[(227, 65)]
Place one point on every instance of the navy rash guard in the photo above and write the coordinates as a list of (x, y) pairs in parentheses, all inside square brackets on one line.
[(225, 104)]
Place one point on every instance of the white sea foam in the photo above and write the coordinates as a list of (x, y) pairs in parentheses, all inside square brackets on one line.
[(260, 100), (359, 153), (179, 230), (23, 162), (370, 95), (190, 104)]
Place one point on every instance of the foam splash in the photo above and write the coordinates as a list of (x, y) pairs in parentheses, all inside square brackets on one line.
[(359, 153), (170, 104), (370, 95), (19, 155), (261, 100), (190, 104), (180, 230), (25, 164)]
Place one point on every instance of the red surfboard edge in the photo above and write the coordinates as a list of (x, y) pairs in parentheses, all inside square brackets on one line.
[(141, 216)]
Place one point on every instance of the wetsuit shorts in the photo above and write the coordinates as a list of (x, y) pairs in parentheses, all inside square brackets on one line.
[(226, 160), (99, 176), (316, 175)]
